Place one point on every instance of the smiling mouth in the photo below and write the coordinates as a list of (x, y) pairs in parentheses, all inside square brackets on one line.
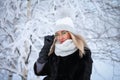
[(62, 41)]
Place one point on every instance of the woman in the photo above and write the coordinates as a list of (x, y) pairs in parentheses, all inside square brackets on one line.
[(65, 56)]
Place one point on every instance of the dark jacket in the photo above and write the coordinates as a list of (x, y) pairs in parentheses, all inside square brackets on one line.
[(70, 67)]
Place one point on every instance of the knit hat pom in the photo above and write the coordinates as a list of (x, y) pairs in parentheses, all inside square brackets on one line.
[(64, 21)]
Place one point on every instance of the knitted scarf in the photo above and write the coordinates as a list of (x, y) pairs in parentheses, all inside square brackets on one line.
[(65, 49)]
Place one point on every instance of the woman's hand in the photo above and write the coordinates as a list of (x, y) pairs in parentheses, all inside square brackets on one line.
[(43, 55)]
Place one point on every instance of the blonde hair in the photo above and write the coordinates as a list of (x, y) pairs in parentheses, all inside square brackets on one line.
[(78, 41)]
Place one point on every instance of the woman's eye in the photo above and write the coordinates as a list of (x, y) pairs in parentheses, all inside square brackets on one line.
[(64, 32)]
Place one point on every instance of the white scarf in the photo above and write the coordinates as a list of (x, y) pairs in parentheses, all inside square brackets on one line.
[(65, 49)]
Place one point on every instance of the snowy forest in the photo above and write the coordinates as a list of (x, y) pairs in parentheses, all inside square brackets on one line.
[(24, 23)]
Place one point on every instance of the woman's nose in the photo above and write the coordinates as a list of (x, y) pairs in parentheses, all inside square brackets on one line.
[(60, 38)]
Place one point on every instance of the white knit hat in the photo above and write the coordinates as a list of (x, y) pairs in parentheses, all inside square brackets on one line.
[(64, 19), (65, 23)]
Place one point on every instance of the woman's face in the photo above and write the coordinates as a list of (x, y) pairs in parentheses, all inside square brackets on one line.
[(62, 36)]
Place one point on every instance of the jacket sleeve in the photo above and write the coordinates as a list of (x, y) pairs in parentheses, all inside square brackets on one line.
[(88, 64), (41, 69)]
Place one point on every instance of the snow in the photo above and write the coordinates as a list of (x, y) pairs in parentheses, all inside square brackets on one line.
[(103, 70), (23, 27)]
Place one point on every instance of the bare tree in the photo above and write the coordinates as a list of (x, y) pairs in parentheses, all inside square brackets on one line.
[(24, 23)]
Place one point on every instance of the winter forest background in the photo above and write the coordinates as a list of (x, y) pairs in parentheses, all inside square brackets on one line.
[(24, 23)]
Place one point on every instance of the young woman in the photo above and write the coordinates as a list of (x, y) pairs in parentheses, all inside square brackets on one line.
[(64, 56)]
